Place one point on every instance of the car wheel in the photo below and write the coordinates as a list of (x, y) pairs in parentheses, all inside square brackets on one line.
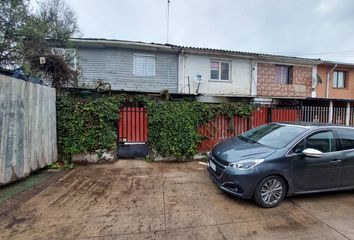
[(270, 192)]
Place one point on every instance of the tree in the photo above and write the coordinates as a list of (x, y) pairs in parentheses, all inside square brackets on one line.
[(31, 37), (13, 16), (60, 18)]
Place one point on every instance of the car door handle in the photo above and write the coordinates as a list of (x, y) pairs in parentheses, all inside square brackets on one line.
[(336, 161)]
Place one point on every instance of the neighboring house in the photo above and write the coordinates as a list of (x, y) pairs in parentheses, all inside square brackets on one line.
[(337, 80), (126, 65), (226, 73), (286, 77), (215, 72)]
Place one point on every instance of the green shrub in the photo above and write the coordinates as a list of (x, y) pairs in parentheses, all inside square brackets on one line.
[(85, 125), (173, 129)]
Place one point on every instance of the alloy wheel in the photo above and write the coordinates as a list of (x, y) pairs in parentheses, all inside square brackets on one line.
[(271, 191)]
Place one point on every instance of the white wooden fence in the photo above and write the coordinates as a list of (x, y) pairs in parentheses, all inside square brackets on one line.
[(28, 138)]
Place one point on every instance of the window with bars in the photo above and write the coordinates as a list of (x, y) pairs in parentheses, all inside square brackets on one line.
[(283, 74), (339, 79), (220, 70), (144, 65)]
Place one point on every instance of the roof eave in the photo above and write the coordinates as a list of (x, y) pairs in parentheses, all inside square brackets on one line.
[(253, 56), (284, 59), (101, 43), (339, 64), (218, 53)]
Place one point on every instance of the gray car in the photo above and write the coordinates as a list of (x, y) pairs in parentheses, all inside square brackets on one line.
[(276, 160)]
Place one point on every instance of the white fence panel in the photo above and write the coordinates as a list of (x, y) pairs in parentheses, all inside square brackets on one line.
[(27, 128)]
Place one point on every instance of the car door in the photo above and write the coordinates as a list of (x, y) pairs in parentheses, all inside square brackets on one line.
[(346, 136), (310, 173)]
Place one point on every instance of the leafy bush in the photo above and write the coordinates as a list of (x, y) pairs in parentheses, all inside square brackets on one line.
[(172, 128), (85, 125)]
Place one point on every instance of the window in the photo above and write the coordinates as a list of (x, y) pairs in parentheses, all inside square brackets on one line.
[(322, 141), (339, 79), (283, 74), (69, 55), (347, 138), (144, 65), (299, 147), (220, 70)]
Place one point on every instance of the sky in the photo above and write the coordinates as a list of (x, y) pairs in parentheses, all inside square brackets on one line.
[(305, 28)]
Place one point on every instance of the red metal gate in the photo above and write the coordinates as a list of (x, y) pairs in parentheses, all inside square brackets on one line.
[(285, 114), (133, 124), (219, 128), (260, 116)]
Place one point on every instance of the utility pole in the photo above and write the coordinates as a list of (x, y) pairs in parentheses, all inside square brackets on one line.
[(168, 19)]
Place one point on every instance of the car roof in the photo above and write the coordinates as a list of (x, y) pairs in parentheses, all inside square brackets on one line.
[(313, 124)]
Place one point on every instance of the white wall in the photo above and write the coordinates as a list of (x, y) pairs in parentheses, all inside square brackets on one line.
[(191, 65)]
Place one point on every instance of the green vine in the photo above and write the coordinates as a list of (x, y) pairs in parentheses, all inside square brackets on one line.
[(172, 128), (86, 124)]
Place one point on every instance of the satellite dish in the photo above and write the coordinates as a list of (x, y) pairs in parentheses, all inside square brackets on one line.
[(316, 80), (198, 79)]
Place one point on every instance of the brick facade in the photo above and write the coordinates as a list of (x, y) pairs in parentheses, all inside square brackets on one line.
[(300, 87)]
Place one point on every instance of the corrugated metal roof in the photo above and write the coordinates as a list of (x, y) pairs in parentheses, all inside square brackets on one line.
[(252, 54), (340, 64), (102, 42), (263, 56), (118, 41)]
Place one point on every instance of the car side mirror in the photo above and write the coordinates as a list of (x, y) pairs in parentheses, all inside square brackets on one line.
[(311, 152)]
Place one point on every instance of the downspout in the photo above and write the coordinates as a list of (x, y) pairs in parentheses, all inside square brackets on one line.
[(180, 84), (254, 66), (182, 71), (327, 79)]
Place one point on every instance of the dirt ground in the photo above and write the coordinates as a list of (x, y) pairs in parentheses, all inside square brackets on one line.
[(139, 200)]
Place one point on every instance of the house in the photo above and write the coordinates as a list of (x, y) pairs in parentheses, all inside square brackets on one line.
[(214, 72), (224, 73), (211, 73), (337, 80), (285, 77), (125, 65)]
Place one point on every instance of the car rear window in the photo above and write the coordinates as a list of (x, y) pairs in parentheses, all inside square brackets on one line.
[(274, 135)]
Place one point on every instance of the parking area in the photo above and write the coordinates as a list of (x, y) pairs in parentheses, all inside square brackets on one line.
[(138, 200)]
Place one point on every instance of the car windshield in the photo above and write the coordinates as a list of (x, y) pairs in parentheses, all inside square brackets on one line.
[(273, 135)]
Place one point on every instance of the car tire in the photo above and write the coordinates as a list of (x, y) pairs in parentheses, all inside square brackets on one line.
[(270, 192)]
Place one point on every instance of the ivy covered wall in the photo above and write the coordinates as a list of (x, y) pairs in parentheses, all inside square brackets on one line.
[(86, 124)]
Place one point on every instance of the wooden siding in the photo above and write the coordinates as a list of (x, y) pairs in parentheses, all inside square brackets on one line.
[(115, 66), (28, 138)]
